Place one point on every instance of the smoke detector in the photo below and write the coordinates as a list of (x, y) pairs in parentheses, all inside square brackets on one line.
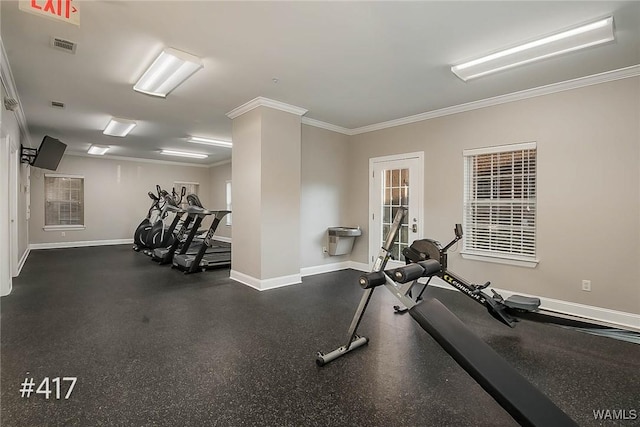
[(64, 45)]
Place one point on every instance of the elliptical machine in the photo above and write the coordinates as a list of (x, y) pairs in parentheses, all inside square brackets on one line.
[(143, 229), (160, 236)]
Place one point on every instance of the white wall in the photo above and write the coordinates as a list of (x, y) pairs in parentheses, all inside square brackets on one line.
[(324, 192), (115, 194), (218, 177), (246, 194), (13, 245), (588, 188), (280, 193)]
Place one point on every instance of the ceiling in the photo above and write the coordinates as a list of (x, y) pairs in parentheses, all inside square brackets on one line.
[(351, 64)]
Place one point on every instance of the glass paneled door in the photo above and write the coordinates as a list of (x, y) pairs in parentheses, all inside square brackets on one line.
[(396, 181)]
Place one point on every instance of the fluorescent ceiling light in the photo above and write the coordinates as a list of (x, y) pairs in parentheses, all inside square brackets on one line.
[(208, 141), (167, 72), (119, 127), (98, 150), (184, 154), (567, 41)]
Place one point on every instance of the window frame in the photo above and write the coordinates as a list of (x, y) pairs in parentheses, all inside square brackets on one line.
[(489, 255), (63, 227), (227, 191)]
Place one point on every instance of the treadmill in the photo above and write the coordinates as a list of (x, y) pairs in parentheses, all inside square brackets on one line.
[(200, 261), (191, 244)]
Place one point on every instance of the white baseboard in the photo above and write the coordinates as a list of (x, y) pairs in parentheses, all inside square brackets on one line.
[(336, 266), (222, 239), (57, 245), (265, 284), (614, 317), (588, 312), (25, 255), (324, 268), (360, 266)]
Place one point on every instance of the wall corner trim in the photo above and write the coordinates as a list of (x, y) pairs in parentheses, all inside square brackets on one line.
[(265, 102), (265, 284), (23, 259)]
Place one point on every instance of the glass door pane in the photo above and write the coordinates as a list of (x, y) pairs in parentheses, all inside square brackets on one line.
[(395, 194)]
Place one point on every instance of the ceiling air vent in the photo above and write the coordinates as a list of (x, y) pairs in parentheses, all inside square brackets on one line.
[(57, 104), (62, 44)]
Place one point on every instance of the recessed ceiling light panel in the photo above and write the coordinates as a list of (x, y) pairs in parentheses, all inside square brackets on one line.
[(119, 127), (167, 72), (98, 150), (209, 141), (184, 154), (591, 34)]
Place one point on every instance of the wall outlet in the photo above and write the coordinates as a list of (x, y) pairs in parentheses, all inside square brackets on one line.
[(324, 250), (586, 285), (63, 233)]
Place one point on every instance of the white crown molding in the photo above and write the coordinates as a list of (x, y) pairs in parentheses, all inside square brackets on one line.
[(327, 126), (10, 87), (595, 79), (265, 102), (220, 163), (135, 159)]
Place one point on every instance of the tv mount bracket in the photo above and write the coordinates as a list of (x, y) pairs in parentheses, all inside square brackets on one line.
[(27, 155)]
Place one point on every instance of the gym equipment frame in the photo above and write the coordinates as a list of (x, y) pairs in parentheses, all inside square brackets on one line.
[(521, 399)]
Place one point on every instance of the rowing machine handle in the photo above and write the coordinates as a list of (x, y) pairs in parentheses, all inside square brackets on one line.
[(458, 231)]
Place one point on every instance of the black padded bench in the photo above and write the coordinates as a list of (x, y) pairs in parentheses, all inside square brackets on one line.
[(521, 399)]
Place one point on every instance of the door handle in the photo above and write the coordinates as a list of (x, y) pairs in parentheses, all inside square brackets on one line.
[(414, 228)]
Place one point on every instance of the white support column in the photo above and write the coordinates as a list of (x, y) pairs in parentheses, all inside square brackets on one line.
[(266, 193)]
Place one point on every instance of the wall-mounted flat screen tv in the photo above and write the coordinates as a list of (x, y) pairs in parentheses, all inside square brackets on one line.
[(49, 154)]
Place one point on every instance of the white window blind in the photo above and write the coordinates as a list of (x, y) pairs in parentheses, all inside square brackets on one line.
[(64, 200), (500, 202)]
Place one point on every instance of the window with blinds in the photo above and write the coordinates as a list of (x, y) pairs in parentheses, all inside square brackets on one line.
[(64, 200), (500, 202)]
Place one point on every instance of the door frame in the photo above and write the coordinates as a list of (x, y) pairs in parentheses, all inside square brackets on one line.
[(14, 180), (374, 239)]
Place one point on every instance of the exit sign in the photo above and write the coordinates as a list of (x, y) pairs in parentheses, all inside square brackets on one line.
[(62, 10)]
